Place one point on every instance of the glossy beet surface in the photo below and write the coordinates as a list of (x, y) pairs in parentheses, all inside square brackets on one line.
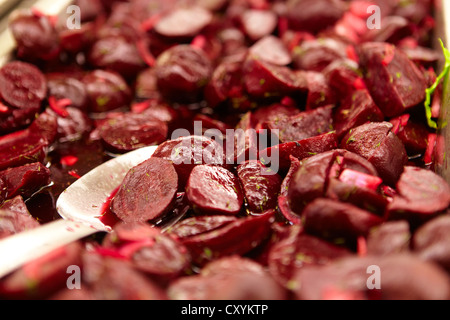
[(292, 149)]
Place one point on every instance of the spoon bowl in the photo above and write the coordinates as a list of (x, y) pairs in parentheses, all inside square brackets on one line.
[(80, 207)]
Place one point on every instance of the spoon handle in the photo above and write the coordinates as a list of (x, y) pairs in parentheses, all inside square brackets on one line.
[(18, 249)]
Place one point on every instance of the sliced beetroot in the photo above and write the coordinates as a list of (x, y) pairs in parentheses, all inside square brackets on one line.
[(189, 151), (237, 237), (311, 179), (182, 72), (355, 110), (260, 186), (107, 90), (72, 127), (297, 250), (300, 149), (183, 22), (402, 277), (146, 87), (194, 226), (22, 85), (214, 190), (293, 167), (314, 15), (265, 80), (224, 79), (258, 23), (25, 180), (35, 35), (414, 135), (392, 237), (273, 112), (244, 141), (131, 131), (16, 205), (271, 49), (393, 80), (317, 54), (22, 147), (431, 241), (238, 279), (332, 219), (48, 274), (13, 119), (13, 221), (62, 86), (344, 76), (380, 146), (304, 125), (419, 192), (320, 94), (147, 191), (114, 279), (116, 53)]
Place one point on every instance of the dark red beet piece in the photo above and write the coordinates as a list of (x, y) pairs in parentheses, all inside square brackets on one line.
[(355, 110), (131, 131), (392, 237), (183, 22), (260, 185), (272, 50), (393, 80), (420, 191), (147, 191), (414, 135), (298, 250), (402, 277), (244, 142), (380, 146), (25, 180), (314, 15), (194, 226), (317, 54), (274, 112), (214, 190), (62, 86), (258, 23), (118, 54), (107, 90), (431, 241), (14, 119), (320, 93), (189, 151), (47, 274), (182, 72), (237, 237), (73, 127), (300, 149), (12, 222), (343, 76), (304, 125), (332, 219), (310, 180), (265, 80), (22, 85), (238, 279)]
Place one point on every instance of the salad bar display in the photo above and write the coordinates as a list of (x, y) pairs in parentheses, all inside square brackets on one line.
[(299, 148)]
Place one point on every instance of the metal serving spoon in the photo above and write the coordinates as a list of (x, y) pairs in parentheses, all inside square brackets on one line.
[(79, 206)]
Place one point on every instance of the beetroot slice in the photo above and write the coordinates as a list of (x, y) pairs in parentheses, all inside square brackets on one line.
[(147, 191), (304, 125), (189, 151), (260, 186), (300, 149), (258, 23), (183, 22), (237, 237), (271, 49), (376, 142), (420, 191), (297, 250), (214, 190), (392, 237), (332, 219), (14, 219), (22, 85), (393, 80), (131, 131), (25, 180), (194, 226)]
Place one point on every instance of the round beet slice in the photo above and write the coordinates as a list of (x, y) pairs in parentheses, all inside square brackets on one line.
[(147, 191), (22, 85), (214, 190)]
